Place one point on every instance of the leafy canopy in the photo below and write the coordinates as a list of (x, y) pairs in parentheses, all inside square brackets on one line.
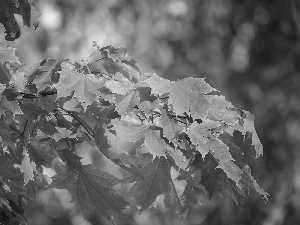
[(181, 131)]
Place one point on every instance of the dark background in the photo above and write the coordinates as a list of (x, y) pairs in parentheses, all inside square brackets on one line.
[(249, 50)]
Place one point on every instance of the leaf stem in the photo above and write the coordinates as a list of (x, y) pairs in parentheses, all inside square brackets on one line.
[(37, 124), (78, 120)]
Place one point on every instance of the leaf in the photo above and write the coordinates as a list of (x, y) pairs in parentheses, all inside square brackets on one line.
[(44, 75), (6, 167), (184, 187), (48, 102), (170, 128), (249, 127), (127, 103), (84, 86), (41, 152), (130, 130), (154, 145), (158, 85), (7, 18), (7, 54), (27, 167), (25, 8), (72, 160), (63, 133), (126, 162), (11, 105), (2, 88), (199, 133), (201, 137), (29, 13), (32, 111), (19, 79), (157, 181), (6, 133), (248, 181), (219, 109), (119, 85), (215, 180), (186, 95), (97, 114), (92, 191)]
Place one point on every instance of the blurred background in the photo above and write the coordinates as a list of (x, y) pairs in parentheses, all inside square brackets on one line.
[(249, 50)]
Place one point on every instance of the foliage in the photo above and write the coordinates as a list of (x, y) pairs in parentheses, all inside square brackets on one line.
[(181, 132)]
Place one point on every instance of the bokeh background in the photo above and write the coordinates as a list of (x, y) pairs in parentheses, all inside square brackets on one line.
[(249, 50)]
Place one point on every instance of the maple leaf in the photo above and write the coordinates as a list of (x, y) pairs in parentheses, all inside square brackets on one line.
[(6, 132), (158, 147), (84, 86), (7, 54), (25, 8), (154, 144), (127, 103), (119, 85), (130, 130), (48, 102), (2, 88), (121, 53), (186, 95), (170, 128), (126, 162), (215, 180), (248, 182), (157, 181), (42, 150), (92, 191), (249, 127), (27, 167), (44, 74), (199, 133), (158, 85), (96, 114), (7, 170), (32, 111), (184, 188), (72, 160), (62, 133), (219, 109), (13, 106), (201, 137), (19, 80)]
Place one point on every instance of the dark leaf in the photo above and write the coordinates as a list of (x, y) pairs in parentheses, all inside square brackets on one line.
[(92, 191)]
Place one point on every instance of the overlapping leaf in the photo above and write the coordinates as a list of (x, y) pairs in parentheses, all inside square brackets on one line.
[(27, 167), (7, 54), (157, 181), (186, 96), (84, 86), (25, 8), (92, 191)]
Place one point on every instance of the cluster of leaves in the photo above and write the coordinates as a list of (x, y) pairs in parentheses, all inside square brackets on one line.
[(181, 132)]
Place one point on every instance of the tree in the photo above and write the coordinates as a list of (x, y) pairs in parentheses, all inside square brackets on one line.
[(181, 131)]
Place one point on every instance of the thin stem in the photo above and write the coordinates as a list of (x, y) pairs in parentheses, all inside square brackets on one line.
[(174, 117), (99, 60), (82, 124), (37, 124)]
